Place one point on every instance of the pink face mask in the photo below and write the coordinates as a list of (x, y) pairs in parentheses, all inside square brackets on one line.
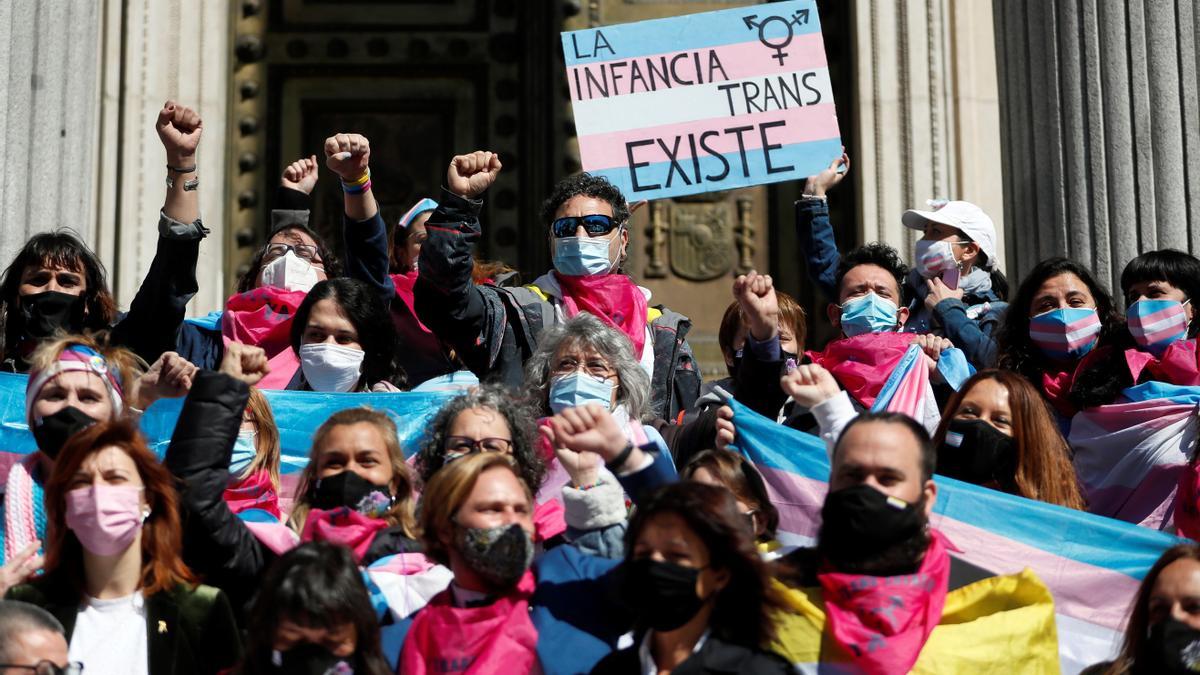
[(106, 518)]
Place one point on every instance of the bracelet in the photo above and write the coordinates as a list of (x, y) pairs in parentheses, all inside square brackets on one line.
[(190, 185), (182, 169), (358, 182), (620, 459), (818, 198), (352, 190)]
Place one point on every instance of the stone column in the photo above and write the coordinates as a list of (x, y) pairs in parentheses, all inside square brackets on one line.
[(1101, 125), (925, 123)]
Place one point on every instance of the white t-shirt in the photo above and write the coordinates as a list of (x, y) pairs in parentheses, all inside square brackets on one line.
[(110, 636)]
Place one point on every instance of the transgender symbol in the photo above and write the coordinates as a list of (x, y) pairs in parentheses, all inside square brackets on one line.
[(798, 19)]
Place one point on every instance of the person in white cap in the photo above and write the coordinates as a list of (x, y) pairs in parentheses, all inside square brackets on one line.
[(954, 288)]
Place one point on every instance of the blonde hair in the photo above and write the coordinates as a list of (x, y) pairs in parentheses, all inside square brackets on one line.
[(449, 489), (266, 438), (401, 512), (129, 366)]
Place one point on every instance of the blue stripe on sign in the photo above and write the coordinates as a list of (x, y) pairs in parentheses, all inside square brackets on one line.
[(683, 33), (1083, 537), (805, 159)]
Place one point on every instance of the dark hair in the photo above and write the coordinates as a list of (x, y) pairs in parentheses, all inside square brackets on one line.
[(743, 480), (18, 617), (376, 332), (791, 317), (1181, 270), (1138, 626), (333, 266), (60, 248), (875, 253), (517, 412), (928, 451), (744, 609), (597, 187), (315, 585), (1015, 349)]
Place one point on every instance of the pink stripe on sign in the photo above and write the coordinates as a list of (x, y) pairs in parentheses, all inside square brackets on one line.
[(737, 61), (813, 123)]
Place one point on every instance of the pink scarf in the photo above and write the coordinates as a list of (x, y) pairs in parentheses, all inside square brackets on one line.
[(253, 492), (882, 623), (612, 298), (495, 638), (863, 363), (20, 522), (1177, 365), (263, 317), (343, 526)]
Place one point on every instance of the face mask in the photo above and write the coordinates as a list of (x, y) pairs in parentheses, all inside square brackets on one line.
[(1066, 333), (582, 256), (498, 554), (310, 659), (663, 594), (576, 389), (976, 452), (47, 312), (350, 490), (934, 257), (1155, 324), (244, 451), (53, 431), (868, 314), (105, 518), (290, 272), (331, 368), (860, 521), (1171, 647)]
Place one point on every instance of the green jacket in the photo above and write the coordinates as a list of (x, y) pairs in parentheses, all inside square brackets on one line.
[(189, 631)]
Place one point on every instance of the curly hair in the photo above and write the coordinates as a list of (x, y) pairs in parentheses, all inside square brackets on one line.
[(517, 414), (875, 253), (633, 390), (587, 185), (333, 266)]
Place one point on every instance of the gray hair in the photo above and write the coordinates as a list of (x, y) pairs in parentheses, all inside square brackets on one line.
[(634, 389), (21, 617)]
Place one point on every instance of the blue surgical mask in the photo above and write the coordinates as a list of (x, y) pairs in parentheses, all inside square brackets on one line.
[(243, 452), (582, 256), (576, 389), (868, 314)]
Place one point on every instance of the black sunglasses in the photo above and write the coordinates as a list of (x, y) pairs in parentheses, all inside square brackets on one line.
[(595, 224)]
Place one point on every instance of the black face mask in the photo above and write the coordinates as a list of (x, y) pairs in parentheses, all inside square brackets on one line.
[(346, 489), (47, 312), (54, 430), (662, 594), (859, 522), (310, 659), (1172, 647), (974, 451)]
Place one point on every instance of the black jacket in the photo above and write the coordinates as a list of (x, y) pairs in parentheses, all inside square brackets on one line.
[(495, 329), (715, 656), (189, 631)]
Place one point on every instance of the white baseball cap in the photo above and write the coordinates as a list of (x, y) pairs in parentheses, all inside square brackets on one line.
[(965, 216)]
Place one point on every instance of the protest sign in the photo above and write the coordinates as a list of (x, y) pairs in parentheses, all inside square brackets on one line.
[(704, 102)]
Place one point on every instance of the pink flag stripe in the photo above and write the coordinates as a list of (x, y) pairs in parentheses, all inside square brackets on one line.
[(1122, 416), (1157, 321), (1077, 333), (738, 61), (811, 123)]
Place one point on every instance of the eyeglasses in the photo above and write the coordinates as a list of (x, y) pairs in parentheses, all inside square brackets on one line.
[(458, 447), (593, 367), (48, 668), (595, 224), (303, 251)]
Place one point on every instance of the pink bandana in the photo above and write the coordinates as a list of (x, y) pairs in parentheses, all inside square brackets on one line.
[(343, 526), (882, 623), (862, 364), (253, 492), (612, 298), (263, 317), (1177, 365)]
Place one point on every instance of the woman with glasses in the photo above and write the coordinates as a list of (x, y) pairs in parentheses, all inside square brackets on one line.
[(114, 576)]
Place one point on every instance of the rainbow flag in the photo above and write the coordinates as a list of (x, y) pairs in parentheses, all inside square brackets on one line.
[(1091, 564)]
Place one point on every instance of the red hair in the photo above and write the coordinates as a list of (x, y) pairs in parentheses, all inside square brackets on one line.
[(162, 566)]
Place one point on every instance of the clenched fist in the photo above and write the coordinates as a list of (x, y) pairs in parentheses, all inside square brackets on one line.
[(348, 155), (179, 130), (470, 175)]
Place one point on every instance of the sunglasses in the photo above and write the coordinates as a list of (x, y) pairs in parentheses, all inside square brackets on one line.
[(595, 224)]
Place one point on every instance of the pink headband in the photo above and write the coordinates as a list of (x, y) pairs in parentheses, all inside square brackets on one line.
[(75, 358)]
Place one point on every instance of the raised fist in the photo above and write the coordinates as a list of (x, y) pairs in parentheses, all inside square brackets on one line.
[(179, 130), (245, 362), (301, 175), (470, 175), (756, 297), (348, 155)]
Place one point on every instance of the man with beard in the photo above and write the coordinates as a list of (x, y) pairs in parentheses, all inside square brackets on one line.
[(880, 593)]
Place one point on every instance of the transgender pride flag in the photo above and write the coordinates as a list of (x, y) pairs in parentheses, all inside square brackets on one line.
[(1091, 564), (704, 102)]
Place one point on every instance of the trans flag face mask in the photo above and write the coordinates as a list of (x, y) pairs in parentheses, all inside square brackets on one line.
[(1155, 324), (868, 314), (1067, 333)]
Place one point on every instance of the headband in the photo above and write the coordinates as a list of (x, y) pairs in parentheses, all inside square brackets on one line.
[(75, 358), (426, 204)]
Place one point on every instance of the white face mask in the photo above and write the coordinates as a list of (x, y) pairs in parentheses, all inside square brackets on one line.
[(329, 367), (290, 272)]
